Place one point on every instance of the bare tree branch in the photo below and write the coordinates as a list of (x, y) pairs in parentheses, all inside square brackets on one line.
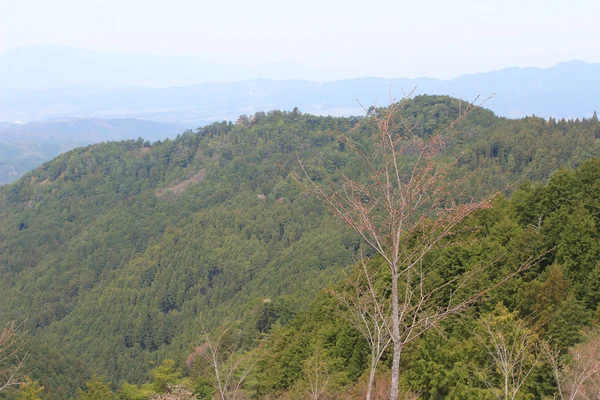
[(11, 357), (369, 311), (512, 348), (230, 370), (579, 377), (317, 375)]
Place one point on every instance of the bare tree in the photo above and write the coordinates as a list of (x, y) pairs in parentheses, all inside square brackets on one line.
[(512, 348), (369, 311), (580, 377), (11, 342), (317, 375), (230, 370), (405, 208)]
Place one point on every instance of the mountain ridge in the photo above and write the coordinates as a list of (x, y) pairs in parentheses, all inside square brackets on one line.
[(566, 90)]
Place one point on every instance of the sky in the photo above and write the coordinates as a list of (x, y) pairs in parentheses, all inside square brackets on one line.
[(434, 38)]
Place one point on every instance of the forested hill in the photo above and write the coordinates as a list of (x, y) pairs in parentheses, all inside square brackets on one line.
[(548, 314), (116, 252)]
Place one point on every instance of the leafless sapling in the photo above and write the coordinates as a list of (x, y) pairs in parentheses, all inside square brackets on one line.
[(11, 357), (409, 203)]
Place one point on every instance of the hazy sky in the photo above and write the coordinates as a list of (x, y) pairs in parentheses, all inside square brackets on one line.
[(379, 38)]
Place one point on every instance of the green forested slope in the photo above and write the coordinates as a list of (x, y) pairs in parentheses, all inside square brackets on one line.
[(557, 300), (111, 262), (115, 252)]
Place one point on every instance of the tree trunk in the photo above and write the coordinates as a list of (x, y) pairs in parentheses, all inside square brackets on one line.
[(371, 377), (395, 338)]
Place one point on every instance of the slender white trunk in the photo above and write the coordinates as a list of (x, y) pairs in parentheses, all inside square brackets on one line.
[(371, 376), (395, 339)]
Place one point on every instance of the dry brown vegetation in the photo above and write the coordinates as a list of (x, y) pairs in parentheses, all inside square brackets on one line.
[(180, 187)]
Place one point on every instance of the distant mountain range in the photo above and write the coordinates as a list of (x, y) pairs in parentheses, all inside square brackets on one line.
[(43, 82)]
